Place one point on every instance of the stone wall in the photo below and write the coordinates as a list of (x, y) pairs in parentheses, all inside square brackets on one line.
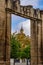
[(36, 19), (2, 30), (4, 34)]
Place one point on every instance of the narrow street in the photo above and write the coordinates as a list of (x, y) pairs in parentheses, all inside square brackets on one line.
[(12, 63)]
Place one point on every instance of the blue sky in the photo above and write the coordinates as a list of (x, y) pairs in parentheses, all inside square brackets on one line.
[(35, 3), (17, 21)]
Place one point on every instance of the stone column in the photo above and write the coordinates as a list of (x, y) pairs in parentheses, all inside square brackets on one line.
[(7, 33), (42, 38), (34, 43), (41, 46), (8, 27), (39, 41), (2, 32), (4, 35)]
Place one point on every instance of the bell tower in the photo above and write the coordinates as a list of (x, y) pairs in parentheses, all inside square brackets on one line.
[(21, 30)]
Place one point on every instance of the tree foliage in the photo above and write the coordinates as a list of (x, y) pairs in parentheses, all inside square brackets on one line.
[(20, 46), (26, 52), (15, 47)]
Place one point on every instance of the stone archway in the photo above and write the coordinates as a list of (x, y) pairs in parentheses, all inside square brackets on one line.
[(8, 7)]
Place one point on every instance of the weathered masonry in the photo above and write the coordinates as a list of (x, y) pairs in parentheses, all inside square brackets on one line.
[(8, 7)]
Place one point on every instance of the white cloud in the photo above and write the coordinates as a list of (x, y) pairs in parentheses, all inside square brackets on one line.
[(30, 2), (26, 26)]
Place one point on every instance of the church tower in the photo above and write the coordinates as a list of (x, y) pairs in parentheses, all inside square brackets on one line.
[(21, 30)]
